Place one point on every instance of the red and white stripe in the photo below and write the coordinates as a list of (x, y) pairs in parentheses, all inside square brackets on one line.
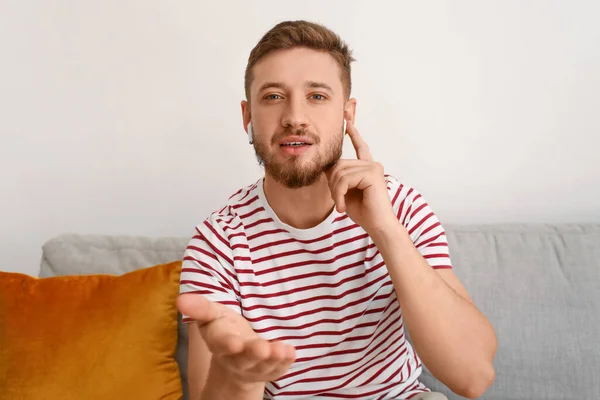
[(324, 290)]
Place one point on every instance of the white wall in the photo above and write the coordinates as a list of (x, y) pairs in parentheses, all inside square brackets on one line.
[(123, 116)]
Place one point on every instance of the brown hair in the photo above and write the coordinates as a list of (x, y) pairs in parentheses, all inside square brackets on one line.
[(289, 34)]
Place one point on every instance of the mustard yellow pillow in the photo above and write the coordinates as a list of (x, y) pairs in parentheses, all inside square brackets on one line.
[(90, 336)]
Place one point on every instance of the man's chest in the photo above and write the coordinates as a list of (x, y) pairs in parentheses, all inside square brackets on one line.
[(307, 291)]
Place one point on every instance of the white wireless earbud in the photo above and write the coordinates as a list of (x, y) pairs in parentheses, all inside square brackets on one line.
[(250, 139), (344, 132)]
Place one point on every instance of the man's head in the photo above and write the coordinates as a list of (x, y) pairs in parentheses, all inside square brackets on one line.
[(297, 87)]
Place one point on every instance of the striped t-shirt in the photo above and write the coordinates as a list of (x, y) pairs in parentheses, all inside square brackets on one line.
[(324, 290)]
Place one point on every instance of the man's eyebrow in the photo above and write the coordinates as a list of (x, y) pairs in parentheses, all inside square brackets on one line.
[(269, 85), (318, 85)]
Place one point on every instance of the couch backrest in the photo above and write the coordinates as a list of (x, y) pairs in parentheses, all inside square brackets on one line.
[(540, 287), (538, 284)]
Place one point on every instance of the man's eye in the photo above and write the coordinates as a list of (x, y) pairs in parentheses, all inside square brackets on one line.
[(273, 97), (318, 97)]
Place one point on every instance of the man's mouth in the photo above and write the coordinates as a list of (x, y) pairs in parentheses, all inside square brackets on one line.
[(294, 144)]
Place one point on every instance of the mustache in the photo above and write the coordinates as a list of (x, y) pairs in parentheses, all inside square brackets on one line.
[(302, 132)]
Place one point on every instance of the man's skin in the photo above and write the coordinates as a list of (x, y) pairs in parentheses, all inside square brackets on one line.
[(227, 359)]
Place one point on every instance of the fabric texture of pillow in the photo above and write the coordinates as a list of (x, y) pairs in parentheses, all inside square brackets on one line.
[(90, 336)]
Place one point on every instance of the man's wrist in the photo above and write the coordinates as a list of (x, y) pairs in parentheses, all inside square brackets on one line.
[(392, 231), (223, 386)]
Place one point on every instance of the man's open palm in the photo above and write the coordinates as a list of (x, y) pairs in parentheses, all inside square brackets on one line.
[(233, 343)]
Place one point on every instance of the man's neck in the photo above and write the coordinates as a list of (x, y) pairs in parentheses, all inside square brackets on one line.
[(301, 208)]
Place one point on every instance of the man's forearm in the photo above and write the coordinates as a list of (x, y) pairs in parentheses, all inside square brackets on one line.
[(455, 341), (220, 386)]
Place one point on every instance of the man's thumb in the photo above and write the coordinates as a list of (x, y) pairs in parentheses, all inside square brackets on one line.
[(197, 307)]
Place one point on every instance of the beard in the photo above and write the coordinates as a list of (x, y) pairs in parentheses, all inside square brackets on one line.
[(294, 172)]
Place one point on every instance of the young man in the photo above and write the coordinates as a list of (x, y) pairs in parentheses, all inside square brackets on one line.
[(304, 284)]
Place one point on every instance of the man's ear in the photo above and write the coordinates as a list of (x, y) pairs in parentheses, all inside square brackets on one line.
[(246, 115), (350, 110)]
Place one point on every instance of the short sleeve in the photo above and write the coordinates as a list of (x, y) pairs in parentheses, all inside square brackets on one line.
[(423, 226), (208, 268)]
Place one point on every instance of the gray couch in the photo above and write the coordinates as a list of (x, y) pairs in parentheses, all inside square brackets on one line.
[(538, 284)]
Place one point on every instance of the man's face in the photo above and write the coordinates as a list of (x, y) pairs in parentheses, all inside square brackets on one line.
[(297, 111)]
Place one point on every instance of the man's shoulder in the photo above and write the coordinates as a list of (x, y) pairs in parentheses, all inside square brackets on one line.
[(236, 203), (400, 191)]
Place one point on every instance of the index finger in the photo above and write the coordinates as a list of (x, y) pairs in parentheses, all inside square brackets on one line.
[(361, 147)]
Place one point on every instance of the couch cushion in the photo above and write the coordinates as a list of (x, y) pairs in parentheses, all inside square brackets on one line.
[(90, 336), (98, 254), (540, 287)]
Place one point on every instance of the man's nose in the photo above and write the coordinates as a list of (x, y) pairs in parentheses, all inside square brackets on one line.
[(295, 114)]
